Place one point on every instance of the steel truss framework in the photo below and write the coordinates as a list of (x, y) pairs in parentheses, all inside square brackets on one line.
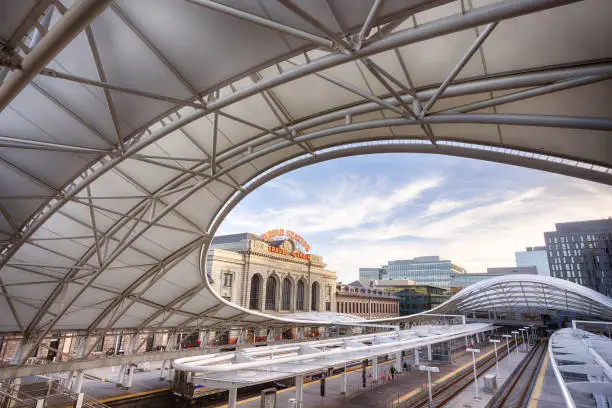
[(530, 294), (120, 164)]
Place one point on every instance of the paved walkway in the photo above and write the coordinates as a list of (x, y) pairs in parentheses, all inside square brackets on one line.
[(546, 392), (143, 383), (467, 397)]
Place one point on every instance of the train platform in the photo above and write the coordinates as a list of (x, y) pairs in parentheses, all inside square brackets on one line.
[(467, 397), (101, 384), (386, 394), (546, 392)]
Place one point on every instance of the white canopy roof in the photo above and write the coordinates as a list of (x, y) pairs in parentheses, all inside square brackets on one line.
[(528, 294), (578, 353), (129, 129)]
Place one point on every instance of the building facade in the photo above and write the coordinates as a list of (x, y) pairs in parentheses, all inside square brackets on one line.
[(534, 256), (463, 280), (420, 298), (272, 273), (361, 300), (581, 252), (370, 274), (423, 270)]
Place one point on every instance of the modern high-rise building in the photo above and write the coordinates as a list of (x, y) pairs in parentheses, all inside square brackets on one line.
[(463, 280), (581, 252), (424, 270), (534, 256), (370, 274)]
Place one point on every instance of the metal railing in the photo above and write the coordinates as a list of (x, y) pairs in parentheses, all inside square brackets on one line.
[(43, 394)]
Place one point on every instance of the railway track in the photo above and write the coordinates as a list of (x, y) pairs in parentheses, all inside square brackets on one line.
[(443, 393), (516, 392)]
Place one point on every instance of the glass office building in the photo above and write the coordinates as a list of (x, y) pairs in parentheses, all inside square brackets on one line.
[(581, 252), (370, 274), (463, 280), (424, 270), (534, 256)]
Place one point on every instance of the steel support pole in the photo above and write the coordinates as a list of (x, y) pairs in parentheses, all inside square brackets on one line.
[(429, 389), (79, 381), (475, 376), (233, 396), (252, 18), (69, 26), (343, 381), (79, 401), (496, 360), (398, 362), (15, 386), (130, 377), (462, 62), (482, 15), (299, 390), (375, 374)]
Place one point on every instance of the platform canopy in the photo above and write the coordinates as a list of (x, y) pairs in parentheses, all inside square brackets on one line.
[(581, 363), (130, 128), (531, 294)]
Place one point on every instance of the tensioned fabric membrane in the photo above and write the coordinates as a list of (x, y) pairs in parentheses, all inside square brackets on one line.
[(129, 129)]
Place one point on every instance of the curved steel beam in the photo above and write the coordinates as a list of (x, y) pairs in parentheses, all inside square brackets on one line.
[(69, 26), (496, 12)]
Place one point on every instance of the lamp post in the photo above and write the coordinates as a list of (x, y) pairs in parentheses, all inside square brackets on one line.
[(515, 342), (523, 338), (527, 329), (507, 336), (496, 361), (474, 351), (429, 370)]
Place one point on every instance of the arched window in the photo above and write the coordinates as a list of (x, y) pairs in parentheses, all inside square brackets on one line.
[(299, 296), (255, 292), (271, 293), (286, 299), (314, 297)]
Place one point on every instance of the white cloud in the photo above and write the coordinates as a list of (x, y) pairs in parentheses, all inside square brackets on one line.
[(442, 207), (476, 223), (346, 203), (478, 237)]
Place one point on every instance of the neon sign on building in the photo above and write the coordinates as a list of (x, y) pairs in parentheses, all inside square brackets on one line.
[(293, 244)]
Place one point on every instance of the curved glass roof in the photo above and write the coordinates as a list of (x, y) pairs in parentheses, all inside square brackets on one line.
[(129, 129)]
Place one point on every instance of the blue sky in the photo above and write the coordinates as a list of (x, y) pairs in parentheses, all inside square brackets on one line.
[(363, 211)]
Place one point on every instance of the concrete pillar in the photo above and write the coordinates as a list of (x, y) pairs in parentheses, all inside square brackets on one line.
[(79, 381), (231, 400), (343, 381), (466, 342), (417, 362), (40, 403), (429, 352), (299, 390)]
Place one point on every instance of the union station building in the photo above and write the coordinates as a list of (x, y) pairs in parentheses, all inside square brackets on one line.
[(272, 273)]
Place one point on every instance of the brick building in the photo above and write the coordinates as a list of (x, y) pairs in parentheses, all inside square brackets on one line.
[(360, 300)]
